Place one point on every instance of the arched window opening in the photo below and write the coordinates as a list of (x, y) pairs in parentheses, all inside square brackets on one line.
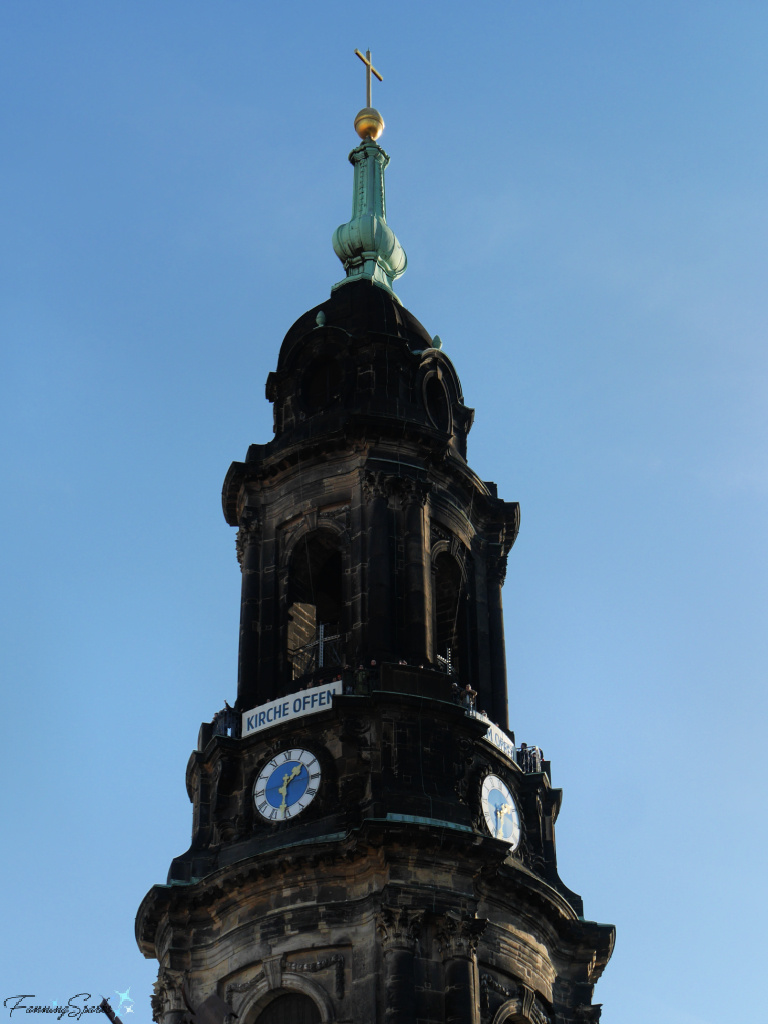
[(449, 617), (315, 606), (292, 1008), (436, 401)]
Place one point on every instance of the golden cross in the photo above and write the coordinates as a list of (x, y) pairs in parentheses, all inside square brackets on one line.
[(368, 69)]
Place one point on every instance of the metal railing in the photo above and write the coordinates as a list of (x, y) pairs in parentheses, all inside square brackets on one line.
[(530, 759), (325, 650)]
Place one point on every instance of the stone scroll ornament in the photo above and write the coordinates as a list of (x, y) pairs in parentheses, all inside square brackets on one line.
[(273, 969), (336, 961), (519, 1000)]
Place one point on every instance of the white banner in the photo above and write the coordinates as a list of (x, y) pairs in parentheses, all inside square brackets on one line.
[(497, 737), (294, 705)]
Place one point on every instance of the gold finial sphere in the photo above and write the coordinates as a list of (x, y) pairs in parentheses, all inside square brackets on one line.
[(369, 124)]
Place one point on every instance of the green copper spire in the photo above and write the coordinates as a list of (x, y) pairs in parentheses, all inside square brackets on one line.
[(366, 245)]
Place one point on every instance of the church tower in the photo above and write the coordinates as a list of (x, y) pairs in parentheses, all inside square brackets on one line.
[(368, 843)]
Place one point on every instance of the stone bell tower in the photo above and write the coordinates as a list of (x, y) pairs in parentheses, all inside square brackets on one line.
[(368, 843)]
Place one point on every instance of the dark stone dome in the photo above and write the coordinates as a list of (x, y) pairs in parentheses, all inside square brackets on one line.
[(360, 363), (358, 308)]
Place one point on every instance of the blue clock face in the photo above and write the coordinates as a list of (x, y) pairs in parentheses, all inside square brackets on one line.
[(500, 810), (287, 784)]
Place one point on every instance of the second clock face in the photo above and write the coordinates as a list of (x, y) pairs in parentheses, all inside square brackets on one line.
[(287, 784), (500, 810)]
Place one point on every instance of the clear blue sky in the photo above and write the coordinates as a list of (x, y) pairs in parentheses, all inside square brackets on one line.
[(580, 186)]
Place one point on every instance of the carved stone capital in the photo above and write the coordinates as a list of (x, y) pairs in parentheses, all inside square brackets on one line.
[(250, 530), (496, 569), (405, 492), (457, 937), (399, 928), (375, 485), (250, 520), (167, 995)]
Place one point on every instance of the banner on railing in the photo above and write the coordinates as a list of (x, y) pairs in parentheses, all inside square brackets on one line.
[(496, 736), (293, 705)]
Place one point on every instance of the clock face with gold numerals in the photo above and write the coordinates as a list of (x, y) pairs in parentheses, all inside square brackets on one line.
[(287, 784), (500, 810)]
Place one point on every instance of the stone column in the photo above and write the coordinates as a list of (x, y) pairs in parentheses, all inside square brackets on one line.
[(378, 640), (398, 930), (249, 556), (357, 602), (417, 575), (496, 571), (457, 939)]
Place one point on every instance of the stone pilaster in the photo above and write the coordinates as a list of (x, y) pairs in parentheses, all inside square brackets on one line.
[(496, 571), (417, 576), (249, 556), (457, 939), (398, 930), (375, 494)]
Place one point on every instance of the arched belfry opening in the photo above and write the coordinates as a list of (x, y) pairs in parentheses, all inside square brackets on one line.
[(449, 598), (291, 1008), (316, 617), (437, 402)]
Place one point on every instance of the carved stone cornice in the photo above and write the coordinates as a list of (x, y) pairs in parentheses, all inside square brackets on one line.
[(457, 937), (399, 928)]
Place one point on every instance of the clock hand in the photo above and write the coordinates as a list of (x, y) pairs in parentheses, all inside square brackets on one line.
[(284, 788), (500, 812)]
